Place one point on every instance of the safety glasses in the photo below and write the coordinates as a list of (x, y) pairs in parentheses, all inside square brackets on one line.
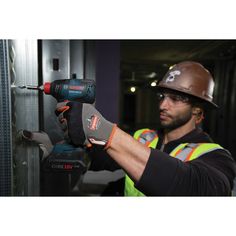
[(173, 97)]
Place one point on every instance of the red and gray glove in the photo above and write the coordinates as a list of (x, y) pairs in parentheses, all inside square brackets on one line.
[(84, 125)]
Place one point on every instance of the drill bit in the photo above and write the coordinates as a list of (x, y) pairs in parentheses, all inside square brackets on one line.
[(32, 87)]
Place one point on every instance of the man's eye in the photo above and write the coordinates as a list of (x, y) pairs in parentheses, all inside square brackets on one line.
[(179, 98), (176, 98), (160, 96)]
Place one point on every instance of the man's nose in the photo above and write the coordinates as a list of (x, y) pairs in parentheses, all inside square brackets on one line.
[(164, 103)]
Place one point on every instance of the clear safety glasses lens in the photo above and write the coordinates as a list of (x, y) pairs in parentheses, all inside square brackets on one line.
[(173, 97)]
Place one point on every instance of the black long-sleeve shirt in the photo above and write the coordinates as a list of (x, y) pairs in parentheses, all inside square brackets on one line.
[(212, 174)]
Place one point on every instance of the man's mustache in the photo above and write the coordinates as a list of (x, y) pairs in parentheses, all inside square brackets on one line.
[(165, 113)]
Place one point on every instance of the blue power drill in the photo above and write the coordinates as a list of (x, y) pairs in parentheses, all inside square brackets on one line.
[(64, 156), (68, 89)]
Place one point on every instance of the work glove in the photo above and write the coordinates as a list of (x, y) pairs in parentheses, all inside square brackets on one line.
[(84, 125), (56, 156), (39, 137)]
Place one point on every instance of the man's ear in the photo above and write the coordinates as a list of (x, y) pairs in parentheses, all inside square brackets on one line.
[(196, 110), (198, 113)]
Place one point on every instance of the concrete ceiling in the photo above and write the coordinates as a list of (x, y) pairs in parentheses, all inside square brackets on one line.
[(140, 58)]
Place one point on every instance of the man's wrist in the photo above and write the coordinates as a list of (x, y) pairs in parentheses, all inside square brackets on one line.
[(114, 128)]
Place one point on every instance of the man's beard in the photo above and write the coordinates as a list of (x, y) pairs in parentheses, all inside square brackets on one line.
[(177, 121)]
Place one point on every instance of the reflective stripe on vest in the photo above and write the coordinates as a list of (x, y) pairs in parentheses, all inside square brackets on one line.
[(184, 152), (147, 137), (190, 151)]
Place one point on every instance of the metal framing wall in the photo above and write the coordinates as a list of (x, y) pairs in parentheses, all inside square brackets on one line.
[(5, 123), (25, 115)]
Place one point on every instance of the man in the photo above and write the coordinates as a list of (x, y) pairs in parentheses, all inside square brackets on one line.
[(177, 160)]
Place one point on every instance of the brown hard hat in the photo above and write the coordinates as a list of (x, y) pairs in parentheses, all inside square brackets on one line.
[(191, 78)]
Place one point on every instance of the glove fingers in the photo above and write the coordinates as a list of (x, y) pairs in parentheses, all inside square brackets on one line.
[(61, 107), (26, 134), (37, 136), (40, 138)]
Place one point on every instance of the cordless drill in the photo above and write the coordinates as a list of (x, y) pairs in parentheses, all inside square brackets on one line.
[(68, 89), (65, 156)]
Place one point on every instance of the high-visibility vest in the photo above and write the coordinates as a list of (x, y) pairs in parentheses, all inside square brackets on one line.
[(184, 152)]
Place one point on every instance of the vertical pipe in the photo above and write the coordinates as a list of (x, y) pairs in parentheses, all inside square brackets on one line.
[(40, 82)]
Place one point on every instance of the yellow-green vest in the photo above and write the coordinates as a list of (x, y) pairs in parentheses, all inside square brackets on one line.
[(184, 152)]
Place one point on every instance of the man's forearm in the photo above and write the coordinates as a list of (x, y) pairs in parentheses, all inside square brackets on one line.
[(131, 155), (86, 125)]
